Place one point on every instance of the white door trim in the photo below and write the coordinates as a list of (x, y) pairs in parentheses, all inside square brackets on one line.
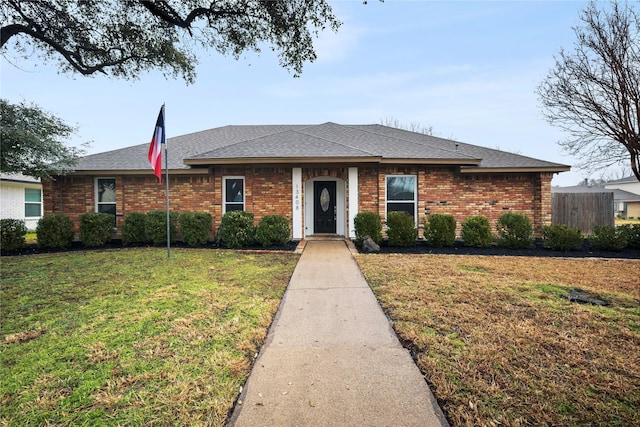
[(353, 200), (296, 202)]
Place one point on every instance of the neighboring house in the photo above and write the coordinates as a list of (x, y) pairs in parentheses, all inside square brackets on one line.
[(630, 184), (625, 203), (628, 205), (21, 198), (318, 176)]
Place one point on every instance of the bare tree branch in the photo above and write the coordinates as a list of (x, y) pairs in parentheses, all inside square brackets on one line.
[(593, 93)]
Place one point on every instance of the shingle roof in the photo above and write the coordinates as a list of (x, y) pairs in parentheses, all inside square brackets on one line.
[(18, 177), (628, 180), (298, 143)]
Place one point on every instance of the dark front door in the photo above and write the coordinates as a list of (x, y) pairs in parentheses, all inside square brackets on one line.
[(324, 207)]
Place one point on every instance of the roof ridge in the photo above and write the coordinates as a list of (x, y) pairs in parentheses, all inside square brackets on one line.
[(417, 143), (336, 142), (244, 141)]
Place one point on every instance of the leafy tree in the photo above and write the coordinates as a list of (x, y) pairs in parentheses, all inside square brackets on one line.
[(123, 38), (594, 92), (33, 142)]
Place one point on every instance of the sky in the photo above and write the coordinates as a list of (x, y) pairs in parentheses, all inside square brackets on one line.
[(467, 69)]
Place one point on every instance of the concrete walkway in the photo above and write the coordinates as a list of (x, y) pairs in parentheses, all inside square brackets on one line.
[(331, 358)]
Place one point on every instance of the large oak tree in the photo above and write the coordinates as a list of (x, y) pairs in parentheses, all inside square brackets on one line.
[(594, 91), (124, 37)]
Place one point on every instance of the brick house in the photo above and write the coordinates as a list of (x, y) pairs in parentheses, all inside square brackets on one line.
[(318, 176)]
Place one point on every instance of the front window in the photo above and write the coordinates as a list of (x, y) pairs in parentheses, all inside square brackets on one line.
[(106, 195), (233, 193), (401, 194), (32, 202)]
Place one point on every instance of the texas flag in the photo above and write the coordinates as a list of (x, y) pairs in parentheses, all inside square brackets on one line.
[(155, 149)]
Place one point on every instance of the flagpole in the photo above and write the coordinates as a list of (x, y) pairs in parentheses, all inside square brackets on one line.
[(166, 167)]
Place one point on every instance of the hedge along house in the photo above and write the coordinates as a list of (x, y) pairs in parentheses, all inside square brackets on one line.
[(317, 176)]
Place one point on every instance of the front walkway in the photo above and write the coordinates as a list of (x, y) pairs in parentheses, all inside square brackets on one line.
[(331, 358)]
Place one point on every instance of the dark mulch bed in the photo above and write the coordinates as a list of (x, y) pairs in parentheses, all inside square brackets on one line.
[(420, 247), (117, 244), (539, 250)]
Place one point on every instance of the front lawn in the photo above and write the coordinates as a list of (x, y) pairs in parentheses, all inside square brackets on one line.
[(127, 337), (500, 344)]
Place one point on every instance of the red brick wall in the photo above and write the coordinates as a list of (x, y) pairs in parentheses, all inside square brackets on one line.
[(268, 192), (444, 190), (491, 195), (72, 196), (368, 189)]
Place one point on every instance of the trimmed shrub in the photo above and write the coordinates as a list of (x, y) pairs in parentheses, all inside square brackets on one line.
[(559, 237), (236, 229), (155, 226), (632, 233), (367, 224), (514, 231), (401, 229), (440, 230), (55, 231), (12, 232), (607, 238), (96, 228), (195, 227), (273, 230), (133, 228), (476, 231)]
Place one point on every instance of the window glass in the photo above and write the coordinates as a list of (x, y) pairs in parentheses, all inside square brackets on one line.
[(33, 202), (232, 207), (32, 195), (233, 194), (106, 190), (234, 190), (400, 187), (107, 208), (32, 209), (106, 195), (401, 194)]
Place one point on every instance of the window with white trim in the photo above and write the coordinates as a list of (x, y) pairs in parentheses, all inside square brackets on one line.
[(233, 193), (401, 194), (106, 195), (32, 203)]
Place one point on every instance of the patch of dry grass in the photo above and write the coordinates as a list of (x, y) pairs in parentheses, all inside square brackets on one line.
[(500, 343)]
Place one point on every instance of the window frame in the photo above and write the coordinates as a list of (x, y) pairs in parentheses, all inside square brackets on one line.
[(414, 201), (224, 193), (30, 203), (98, 203)]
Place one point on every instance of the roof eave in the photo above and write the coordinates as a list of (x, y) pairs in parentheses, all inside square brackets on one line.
[(515, 169), (449, 162), (109, 172)]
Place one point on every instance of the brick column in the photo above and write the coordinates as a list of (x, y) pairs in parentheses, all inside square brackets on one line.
[(541, 201)]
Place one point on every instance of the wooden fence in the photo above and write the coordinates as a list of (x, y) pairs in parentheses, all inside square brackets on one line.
[(582, 210)]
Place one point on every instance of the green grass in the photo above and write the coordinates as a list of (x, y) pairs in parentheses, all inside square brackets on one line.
[(130, 338), (31, 238), (619, 221)]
